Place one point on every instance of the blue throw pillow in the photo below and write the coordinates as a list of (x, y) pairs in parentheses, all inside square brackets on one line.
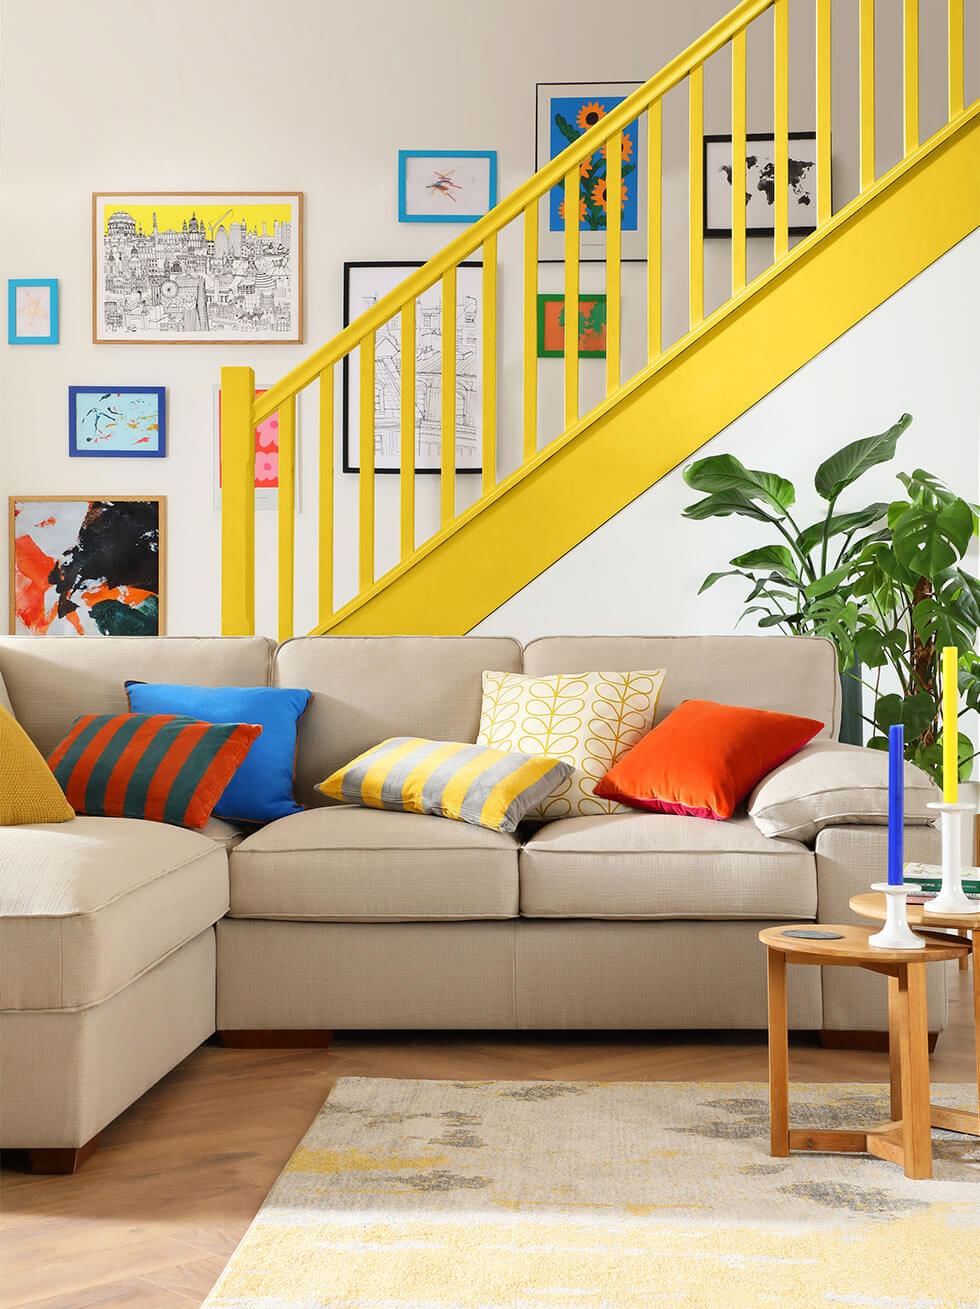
[(262, 789)]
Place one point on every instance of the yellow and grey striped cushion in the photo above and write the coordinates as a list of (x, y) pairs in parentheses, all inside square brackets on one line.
[(490, 788)]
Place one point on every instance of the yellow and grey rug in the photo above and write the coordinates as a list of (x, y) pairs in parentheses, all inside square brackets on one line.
[(548, 1195)]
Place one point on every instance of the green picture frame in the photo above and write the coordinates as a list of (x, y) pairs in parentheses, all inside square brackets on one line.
[(592, 326)]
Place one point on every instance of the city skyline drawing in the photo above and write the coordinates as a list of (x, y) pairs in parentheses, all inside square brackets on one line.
[(365, 284), (197, 267)]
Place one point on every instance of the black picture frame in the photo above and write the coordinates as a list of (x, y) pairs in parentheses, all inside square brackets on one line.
[(725, 233), (348, 465)]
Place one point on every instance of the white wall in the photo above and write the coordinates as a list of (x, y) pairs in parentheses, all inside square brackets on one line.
[(318, 95)]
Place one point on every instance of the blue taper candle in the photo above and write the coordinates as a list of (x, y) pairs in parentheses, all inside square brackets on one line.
[(896, 805)]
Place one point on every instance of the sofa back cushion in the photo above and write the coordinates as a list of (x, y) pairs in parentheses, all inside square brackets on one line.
[(51, 680), (366, 689), (788, 674)]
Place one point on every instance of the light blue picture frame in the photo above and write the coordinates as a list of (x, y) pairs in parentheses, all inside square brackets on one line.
[(13, 285), (79, 434), (404, 216)]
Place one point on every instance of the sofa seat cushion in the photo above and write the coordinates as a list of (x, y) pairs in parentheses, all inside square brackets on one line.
[(88, 905), (347, 864), (640, 865)]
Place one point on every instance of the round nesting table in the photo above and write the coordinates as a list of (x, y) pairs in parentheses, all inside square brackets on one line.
[(872, 905), (907, 1138)]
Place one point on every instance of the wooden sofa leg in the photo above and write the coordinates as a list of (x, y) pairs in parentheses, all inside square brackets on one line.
[(861, 1040), (290, 1038), (63, 1159)]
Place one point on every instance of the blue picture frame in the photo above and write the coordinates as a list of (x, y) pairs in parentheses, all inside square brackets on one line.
[(14, 284), (405, 215), (91, 428)]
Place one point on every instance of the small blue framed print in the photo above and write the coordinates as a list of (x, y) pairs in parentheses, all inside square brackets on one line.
[(117, 422), (446, 186), (32, 311)]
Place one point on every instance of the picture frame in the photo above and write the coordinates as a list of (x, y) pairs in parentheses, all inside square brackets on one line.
[(32, 311), (197, 267), (428, 180), (108, 556), (266, 449), (716, 182), (117, 422), (551, 327), (366, 282), (564, 111)]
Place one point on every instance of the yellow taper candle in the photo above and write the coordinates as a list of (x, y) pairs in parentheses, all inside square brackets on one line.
[(951, 704)]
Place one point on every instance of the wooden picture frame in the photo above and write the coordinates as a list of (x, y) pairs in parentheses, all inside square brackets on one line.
[(160, 501), (202, 288)]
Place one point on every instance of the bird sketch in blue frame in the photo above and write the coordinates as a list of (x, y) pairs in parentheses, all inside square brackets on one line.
[(446, 186), (117, 422)]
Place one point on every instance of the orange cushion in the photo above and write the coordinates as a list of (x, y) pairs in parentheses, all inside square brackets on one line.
[(705, 758)]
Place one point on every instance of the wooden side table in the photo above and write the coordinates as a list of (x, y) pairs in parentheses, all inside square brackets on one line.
[(872, 905), (907, 1138)]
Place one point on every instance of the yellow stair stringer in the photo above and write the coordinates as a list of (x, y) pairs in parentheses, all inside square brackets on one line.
[(827, 283)]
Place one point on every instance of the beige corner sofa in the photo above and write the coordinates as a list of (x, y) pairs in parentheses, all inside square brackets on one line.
[(125, 944)]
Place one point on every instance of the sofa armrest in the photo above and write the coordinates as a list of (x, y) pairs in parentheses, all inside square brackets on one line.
[(828, 784)]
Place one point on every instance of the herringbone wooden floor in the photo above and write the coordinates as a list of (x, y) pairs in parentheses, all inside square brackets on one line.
[(153, 1216)]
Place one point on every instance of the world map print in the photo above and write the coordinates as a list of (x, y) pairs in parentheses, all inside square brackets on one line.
[(760, 185)]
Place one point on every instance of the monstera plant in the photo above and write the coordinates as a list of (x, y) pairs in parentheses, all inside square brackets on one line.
[(886, 583)]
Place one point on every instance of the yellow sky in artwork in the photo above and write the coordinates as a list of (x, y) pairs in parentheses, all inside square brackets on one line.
[(172, 216)]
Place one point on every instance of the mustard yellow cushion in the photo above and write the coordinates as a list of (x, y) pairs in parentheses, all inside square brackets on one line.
[(489, 788), (28, 790)]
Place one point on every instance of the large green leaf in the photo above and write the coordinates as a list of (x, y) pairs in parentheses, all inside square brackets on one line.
[(725, 474), (841, 525), (877, 649), (928, 541), (940, 623), (916, 712), (838, 472), (779, 557), (723, 504), (829, 582), (710, 580)]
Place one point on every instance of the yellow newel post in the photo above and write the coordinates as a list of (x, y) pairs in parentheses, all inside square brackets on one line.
[(237, 502)]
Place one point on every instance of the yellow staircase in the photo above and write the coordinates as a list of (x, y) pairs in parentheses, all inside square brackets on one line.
[(859, 255)]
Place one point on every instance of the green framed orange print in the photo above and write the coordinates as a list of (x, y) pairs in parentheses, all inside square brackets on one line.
[(591, 326)]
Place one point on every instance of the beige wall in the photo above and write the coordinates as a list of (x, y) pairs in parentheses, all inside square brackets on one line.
[(319, 96)]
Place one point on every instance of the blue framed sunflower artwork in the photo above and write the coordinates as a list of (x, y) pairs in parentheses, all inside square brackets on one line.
[(565, 112), (117, 422)]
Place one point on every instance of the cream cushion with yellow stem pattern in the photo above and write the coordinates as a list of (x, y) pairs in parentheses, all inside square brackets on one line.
[(589, 720)]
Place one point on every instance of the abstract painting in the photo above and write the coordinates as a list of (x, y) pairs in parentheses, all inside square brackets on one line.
[(364, 285), (760, 189), (565, 112), (446, 186), (87, 567), (591, 326), (32, 311), (205, 268), (119, 422), (266, 456)]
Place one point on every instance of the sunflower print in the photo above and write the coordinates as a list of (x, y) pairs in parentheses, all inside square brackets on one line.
[(589, 114), (627, 148), (581, 210), (599, 194)]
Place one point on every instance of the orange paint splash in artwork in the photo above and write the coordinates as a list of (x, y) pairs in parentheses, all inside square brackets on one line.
[(127, 595), (32, 568), (47, 522)]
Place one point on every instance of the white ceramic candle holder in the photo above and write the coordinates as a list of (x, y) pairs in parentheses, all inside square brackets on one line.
[(952, 899), (896, 933)]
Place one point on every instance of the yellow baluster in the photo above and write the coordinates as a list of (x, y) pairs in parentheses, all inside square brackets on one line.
[(406, 488), (572, 239), (325, 523), (614, 226), (866, 37), (654, 227), (955, 68), (447, 476), (696, 186), (365, 555), (781, 129), (911, 78), (287, 515), (738, 162), (489, 456), (530, 330), (237, 502), (823, 113)]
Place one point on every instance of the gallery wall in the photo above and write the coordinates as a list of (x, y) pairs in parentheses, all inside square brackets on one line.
[(318, 96)]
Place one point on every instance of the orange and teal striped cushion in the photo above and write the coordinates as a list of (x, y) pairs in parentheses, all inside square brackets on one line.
[(163, 767)]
